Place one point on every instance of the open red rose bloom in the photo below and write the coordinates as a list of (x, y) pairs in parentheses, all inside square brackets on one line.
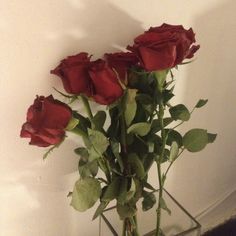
[(164, 47), (46, 121)]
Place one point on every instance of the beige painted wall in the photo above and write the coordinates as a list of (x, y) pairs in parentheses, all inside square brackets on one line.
[(35, 35)]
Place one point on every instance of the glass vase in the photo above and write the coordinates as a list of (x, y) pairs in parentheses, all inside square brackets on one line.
[(178, 223)]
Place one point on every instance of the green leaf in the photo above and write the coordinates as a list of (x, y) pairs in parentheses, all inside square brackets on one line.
[(86, 141), (131, 191), (138, 146), (167, 95), (166, 155), (164, 158), (131, 106), (126, 211), (141, 128), (155, 127), (115, 146), (93, 168), (141, 114), (102, 206), (113, 130), (99, 120), (124, 194), (148, 109), (130, 138), (85, 194), (88, 168), (130, 112), (164, 206), (157, 142), (138, 191), (174, 135), (195, 140), (174, 150), (84, 123), (136, 165), (98, 141), (72, 123), (156, 124), (211, 137), (82, 152), (201, 103), (167, 121), (112, 190), (179, 112), (149, 201), (148, 160), (141, 81), (123, 191), (93, 154)]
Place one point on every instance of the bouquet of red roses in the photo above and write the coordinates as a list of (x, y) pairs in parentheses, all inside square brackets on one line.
[(136, 86)]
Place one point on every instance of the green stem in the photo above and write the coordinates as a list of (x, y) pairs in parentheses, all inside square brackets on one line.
[(79, 132), (136, 233), (158, 223), (160, 180), (168, 168), (123, 141), (127, 231), (153, 112), (105, 163), (104, 166), (87, 108), (124, 228), (123, 135), (130, 227)]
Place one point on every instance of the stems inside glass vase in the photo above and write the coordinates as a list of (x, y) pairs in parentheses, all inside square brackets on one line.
[(130, 227)]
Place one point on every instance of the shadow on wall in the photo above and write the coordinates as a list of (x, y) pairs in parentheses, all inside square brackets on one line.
[(211, 173), (98, 27), (104, 26)]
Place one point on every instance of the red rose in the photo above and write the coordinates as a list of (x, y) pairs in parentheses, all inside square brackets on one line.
[(94, 79), (164, 47), (73, 72), (121, 62), (46, 121), (106, 88)]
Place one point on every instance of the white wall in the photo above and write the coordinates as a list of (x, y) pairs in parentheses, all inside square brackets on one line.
[(35, 35)]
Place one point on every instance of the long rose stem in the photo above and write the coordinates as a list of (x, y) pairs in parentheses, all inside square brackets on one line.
[(160, 180)]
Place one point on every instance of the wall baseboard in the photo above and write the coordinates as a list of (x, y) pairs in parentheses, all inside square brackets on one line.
[(219, 212)]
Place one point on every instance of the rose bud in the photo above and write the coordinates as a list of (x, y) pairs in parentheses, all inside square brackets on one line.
[(121, 62), (106, 87), (73, 73), (164, 47), (46, 121)]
